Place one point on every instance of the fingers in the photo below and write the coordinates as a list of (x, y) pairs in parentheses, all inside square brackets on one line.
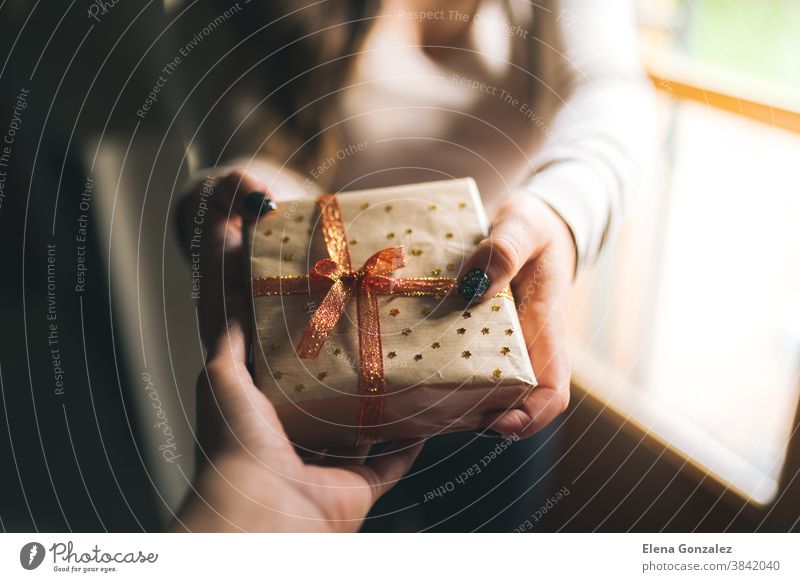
[(229, 195), (498, 258), (231, 410), (225, 371), (542, 292), (550, 359), (232, 341), (383, 471), (220, 253), (233, 415), (241, 193), (213, 199)]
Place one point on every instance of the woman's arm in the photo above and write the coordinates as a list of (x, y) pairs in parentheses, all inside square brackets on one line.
[(601, 131), (599, 139)]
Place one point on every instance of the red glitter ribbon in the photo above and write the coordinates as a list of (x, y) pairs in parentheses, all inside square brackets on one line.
[(335, 275)]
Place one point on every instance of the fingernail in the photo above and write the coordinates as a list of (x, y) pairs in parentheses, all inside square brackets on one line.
[(473, 285), (258, 203)]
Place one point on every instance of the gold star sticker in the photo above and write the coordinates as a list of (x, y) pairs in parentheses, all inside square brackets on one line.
[(485, 331), (389, 235), (426, 311), (406, 331), (337, 351), (391, 355), (409, 231), (466, 354), (365, 206), (462, 204), (268, 232), (509, 331), (285, 239), (477, 239), (389, 208), (394, 312), (299, 218), (450, 266), (299, 387), (497, 372), (448, 235), (322, 375), (495, 308), (467, 314), (416, 252), (354, 242), (274, 345), (436, 272), (288, 257), (436, 345), (277, 374), (461, 331), (505, 350), (418, 357), (432, 207)]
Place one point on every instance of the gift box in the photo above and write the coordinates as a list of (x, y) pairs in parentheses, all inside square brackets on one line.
[(359, 333)]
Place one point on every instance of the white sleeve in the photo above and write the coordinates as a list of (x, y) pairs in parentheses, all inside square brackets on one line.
[(602, 123)]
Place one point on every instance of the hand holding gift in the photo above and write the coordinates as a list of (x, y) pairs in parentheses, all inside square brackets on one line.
[(352, 355), (532, 248), (249, 477), (242, 452)]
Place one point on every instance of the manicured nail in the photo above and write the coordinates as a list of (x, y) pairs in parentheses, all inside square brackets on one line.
[(473, 285), (258, 203)]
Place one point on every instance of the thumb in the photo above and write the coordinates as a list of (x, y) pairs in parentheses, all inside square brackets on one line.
[(232, 339), (497, 259)]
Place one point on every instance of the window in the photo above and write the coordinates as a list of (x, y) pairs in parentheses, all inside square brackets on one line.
[(690, 324)]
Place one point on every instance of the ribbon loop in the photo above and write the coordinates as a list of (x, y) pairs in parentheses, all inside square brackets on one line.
[(327, 269), (327, 315), (385, 261)]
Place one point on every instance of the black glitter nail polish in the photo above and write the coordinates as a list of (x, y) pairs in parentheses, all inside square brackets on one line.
[(257, 203), (473, 285)]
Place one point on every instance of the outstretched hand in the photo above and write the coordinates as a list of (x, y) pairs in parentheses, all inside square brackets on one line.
[(531, 248), (249, 475)]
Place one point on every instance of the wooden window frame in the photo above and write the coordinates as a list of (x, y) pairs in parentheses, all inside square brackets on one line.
[(684, 80)]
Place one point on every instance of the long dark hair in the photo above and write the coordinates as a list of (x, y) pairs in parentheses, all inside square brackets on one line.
[(294, 52)]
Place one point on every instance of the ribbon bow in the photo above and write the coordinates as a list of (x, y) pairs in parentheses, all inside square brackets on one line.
[(335, 276), (344, 283)]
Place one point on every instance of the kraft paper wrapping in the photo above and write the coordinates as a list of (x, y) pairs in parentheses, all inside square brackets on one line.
[(447, 365)]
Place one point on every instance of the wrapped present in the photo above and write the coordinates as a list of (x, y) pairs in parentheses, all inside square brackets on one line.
[(359, 332)]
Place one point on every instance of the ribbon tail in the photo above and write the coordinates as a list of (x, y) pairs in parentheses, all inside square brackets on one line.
[(371, 379), (324, 320), (416, 286), (286, 285)]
